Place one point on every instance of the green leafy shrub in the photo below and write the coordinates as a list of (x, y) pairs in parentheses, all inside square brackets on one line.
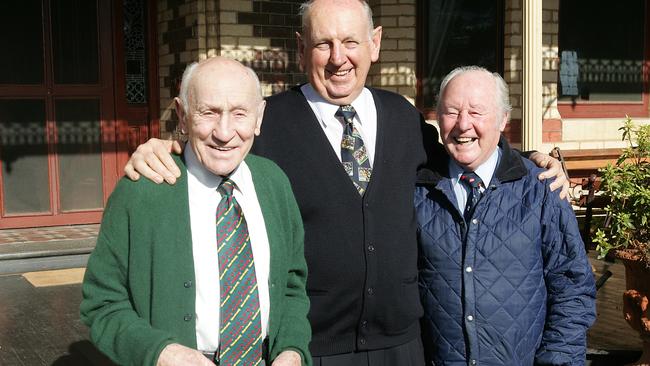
[(628, 185)]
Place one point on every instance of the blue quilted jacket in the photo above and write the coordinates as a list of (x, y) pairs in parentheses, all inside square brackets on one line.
[(511, 287)]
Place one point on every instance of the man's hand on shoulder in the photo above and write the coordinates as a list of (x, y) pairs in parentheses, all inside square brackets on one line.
[(553, 170), (176, 355), (287, 358), (154, 161)]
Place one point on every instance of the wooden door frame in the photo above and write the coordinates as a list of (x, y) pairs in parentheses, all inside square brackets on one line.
[(135, 123), (48, 92)]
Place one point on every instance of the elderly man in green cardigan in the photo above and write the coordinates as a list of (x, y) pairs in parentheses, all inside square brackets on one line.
[(210, 270)]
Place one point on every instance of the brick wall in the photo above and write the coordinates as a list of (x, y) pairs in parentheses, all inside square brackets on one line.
[(551, 124), (395, 69), (260, 34), (176, 41)]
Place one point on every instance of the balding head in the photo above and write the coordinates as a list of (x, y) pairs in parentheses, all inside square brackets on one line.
[(212, 63), (305, 9), (337, 46)]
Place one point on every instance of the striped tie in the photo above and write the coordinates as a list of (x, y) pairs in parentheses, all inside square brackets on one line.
[(240, 331), (474, 183), (353, 152)]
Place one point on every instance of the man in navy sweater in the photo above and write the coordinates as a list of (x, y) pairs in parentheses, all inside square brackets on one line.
[(360, 244)]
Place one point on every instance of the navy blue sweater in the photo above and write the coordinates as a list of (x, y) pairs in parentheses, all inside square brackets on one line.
[(361, 251)]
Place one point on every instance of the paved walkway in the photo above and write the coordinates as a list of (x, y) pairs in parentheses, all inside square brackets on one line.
[(48, 234), (39, 322)]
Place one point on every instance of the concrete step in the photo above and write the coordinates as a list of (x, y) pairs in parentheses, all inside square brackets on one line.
[(46, 255)]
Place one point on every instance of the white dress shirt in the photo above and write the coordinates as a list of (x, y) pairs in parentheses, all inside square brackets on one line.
[(485, 171), (204, 199), (365, 120)]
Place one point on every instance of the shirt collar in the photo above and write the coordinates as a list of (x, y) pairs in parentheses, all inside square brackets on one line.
[(207, 178), (485, 171), (327, 110)]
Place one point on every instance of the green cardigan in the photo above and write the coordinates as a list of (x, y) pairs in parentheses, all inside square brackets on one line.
[(138, 291)]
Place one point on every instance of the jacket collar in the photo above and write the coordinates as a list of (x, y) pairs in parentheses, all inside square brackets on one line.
[(511, 167)]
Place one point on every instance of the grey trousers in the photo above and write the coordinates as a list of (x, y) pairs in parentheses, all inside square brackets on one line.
[(407, 354)]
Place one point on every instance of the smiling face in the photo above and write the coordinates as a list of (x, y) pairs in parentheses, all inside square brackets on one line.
[(223, 115), (469, 118), (337, 48)]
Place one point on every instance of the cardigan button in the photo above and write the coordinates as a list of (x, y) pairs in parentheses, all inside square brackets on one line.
[(371, 248), (187, 317), (187, 284)]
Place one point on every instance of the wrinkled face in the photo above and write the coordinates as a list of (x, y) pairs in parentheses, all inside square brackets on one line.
[(470, 120), (223, 117), (337, 49)]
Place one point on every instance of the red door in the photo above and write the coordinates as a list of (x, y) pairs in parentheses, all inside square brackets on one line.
[(60, 138)]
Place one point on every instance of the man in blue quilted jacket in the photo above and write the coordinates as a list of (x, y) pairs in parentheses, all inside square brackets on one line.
[(504, 278)]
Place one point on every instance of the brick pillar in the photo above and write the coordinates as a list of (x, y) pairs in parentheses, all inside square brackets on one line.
[(512, 67), (552, 123), (395, 70)]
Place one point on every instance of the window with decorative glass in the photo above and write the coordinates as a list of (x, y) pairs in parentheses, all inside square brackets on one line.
[(603, 58)]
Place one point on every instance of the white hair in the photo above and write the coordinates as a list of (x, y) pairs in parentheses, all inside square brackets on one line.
[(186, 81), (502, 95), (305, 9)]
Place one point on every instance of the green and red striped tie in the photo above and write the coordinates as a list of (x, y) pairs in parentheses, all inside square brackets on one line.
[(240, 331)]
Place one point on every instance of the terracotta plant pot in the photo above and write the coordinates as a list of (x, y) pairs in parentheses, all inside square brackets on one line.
[(635, 299)]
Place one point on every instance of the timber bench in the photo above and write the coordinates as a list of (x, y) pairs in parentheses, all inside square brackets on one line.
[(582, 163), (581, 167)]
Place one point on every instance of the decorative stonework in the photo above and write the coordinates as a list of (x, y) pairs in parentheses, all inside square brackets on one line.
[(260, 34)]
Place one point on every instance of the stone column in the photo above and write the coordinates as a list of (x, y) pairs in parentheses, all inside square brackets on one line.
[(532, 75)]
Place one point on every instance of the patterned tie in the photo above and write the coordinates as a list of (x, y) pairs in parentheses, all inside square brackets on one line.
[(353, 153), (240, 331), (474, 183)]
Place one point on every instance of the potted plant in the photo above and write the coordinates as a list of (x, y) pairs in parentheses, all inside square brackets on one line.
[(626, 233)]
